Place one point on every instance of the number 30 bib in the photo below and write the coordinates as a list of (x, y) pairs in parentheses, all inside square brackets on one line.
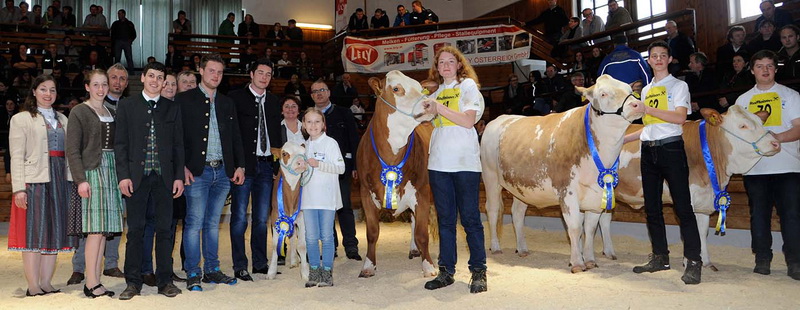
[(450, 98), (770, 102), (656, 98)]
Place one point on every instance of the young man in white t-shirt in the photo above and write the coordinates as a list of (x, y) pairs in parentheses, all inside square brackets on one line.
[(663, 158), (774, 180)]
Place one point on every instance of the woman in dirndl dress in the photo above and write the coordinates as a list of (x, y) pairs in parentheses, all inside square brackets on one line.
[(39, 179), (90, 151)]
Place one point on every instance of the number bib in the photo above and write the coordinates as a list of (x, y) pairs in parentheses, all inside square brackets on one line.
[(656, 98), (770, 102), (450, 98)]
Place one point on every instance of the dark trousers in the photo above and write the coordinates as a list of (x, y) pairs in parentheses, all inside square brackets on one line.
[(668, 162), (259, 188), (151, 188), (149, 237), (455, 194), (347, 222), (781, 191)]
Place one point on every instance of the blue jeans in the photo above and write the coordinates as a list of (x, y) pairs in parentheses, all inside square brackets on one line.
[(781, 191), (456, 194), (204, 201), (259, 188), (319, 227)]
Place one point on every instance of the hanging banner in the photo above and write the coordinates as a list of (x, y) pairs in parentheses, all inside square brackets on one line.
[(485, 45), (341, 14)]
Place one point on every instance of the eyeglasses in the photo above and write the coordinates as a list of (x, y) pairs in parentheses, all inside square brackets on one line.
[(319, 91)]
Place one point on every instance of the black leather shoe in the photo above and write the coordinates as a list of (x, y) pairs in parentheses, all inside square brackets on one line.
[(353, 255), (114, 273), (264, 270), (89, 292), (130, 291), (794, 271), (692, 273), (477, 284), (76, 278), (762, 266), (177, 278), (169, 290), (658, 262), (443, 279), (243, 275), (149, 279)]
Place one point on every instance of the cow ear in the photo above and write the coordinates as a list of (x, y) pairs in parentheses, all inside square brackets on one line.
[(429, 87), (763, 115), (376, 84), (587, 92), (711, 116)]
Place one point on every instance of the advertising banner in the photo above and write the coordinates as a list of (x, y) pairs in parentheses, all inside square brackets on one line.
[(485, 45)]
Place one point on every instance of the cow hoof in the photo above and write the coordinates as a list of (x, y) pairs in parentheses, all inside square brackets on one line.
[(523, 253), (591, 265), (271, 276), (712, 267), (497, 251), (366, 273), (611, 257), (578, 269), (414, 253)]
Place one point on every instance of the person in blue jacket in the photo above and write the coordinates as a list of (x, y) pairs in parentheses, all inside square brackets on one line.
[(625, 64)]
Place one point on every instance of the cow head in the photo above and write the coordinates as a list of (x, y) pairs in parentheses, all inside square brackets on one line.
[(399, 93), (611, 96), (746, 133), (293, 164)]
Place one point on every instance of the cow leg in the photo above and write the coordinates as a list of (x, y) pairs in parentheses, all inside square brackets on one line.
[(273, 263), (414, 251), (590, 220), (702, 227), (370, 209), (421, 237), (518, 209), (574, 219), (494, 208), (605, 232), (302, 248), (291, 255)]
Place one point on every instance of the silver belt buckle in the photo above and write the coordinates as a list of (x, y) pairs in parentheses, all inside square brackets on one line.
[(214, 163)]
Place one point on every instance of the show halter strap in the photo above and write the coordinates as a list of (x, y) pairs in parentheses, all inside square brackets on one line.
[(391, 176), (722, 200), (285, 224), (421, 98), (607, 179), (304, 177)]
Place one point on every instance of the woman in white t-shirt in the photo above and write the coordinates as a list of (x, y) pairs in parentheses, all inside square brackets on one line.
[(454, 165), (291, 125)]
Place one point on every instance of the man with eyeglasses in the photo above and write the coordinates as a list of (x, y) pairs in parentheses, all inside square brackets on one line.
[(574, 98), (341, 126), (592, 24)]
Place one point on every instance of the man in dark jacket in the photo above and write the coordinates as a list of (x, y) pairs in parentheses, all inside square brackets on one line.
[(380, 20), (122, 35), (736, 44), (554, 18), (358, 21), (777, 16), (680, 45), (420, 15)]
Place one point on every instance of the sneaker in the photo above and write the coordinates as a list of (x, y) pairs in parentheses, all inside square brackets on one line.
[(75, 278), (313, 277), (477, 284), (242, 275), (113, 272), (149, 279), (657, 263), (193, 283), (169, 290), (326, 278), (444, 278), (217, 277), (692, 273), (762, 266)]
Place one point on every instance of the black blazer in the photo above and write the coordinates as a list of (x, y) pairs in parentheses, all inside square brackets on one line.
[(341, 126), (247, 110), (196, 109), (132, 132)]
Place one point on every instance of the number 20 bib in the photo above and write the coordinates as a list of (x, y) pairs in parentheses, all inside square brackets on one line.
[(770, 102)]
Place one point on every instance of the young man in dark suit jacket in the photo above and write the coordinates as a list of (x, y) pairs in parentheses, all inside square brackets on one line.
[(341, 126), (259, 126), (149, 162), (214, 159)]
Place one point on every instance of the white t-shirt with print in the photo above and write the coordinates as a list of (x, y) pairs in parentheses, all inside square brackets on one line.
[(667, 94), (784, 105), (322, 190), (454, 148)]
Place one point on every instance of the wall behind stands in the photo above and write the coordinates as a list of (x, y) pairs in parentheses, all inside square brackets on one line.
[(476, 8)]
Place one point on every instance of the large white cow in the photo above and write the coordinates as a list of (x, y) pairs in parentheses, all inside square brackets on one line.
[(546, 161)]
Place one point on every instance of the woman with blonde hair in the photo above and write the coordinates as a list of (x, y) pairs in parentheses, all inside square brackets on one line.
[(454, 165)]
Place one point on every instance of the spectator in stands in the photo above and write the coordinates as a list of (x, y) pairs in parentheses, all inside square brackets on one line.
[(379, 20), (77, 82), (23, 12), (767, 40), (226, 28), (37, 15), (123, 33), (403, 18), (52, 18), (554, 19), (151, 59), (63, 84), (22, 83), (57, 5), (182, 25), (420, 15), (285, 66), (294, 33), (247, 58), (93, 46), (593, 64), (552, 83), (195, 64), (268, 55), (68, 19), (739, 79), (625, 64), (736, 44), (94, 61), (94, 19), (592, 24), (297, 89), (70, 54), (22, 61), (343, 93), (777, 16), (578, 65), (617, 16), (701, 79), (10, 14), (574, 31), (52, 60), (186, 81), (358, 112), (514, 96), (571, 98), (788, 57), (304, 67), (534, 105), (276, 34), (248, 28), (680, 45), (358, 21)]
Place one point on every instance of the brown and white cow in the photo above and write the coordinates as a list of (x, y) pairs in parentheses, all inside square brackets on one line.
[(398, 114), (292, 164), (545, 161)]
